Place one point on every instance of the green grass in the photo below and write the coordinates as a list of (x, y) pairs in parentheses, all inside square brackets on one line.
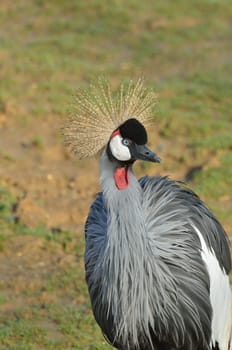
[(48, 50), (65, 323), (24, 334)]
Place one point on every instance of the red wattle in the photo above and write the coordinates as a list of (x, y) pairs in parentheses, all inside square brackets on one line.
[(121, 178)]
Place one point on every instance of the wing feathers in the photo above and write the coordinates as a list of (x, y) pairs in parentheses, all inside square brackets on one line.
[(220, 297)]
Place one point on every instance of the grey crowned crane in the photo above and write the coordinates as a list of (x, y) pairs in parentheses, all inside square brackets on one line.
[(157, 260)]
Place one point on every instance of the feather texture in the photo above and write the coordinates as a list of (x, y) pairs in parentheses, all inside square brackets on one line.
[(147, 279), (220, 296)]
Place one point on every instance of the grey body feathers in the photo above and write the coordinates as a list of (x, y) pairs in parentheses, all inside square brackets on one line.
[(142, 238)]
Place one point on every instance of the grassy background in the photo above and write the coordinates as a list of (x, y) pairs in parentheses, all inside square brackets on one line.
[(48, 50)]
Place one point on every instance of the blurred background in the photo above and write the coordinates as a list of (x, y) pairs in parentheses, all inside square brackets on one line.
[(48, 49)]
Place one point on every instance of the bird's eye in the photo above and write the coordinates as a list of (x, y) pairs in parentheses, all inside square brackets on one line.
[(126, 142)]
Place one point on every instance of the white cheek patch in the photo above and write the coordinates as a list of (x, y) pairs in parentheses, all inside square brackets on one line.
[(118, 150)]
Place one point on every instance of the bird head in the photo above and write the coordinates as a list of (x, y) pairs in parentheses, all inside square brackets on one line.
[(128, 143), (114, 121)]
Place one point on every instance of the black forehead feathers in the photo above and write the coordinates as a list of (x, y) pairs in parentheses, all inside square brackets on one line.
[(132, 129)]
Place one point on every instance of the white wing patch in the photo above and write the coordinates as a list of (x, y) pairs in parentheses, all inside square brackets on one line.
[(118, 150), (220, 297)]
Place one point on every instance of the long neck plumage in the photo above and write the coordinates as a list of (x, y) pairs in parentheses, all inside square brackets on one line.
[(125, 255), (138, 288)]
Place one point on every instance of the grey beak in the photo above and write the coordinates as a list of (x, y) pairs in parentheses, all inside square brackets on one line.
[(142, 152)]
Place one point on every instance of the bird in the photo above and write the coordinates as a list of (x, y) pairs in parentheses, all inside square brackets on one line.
[(157, 260)]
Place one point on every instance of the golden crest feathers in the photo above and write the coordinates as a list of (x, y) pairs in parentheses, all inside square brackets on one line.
[(99, 111)]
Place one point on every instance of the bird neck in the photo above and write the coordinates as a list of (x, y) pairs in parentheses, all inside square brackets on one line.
[(125, 253), (123, 205), (125, 212), (116, 176)]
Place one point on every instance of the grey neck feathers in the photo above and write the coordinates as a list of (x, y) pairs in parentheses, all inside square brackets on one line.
[(138, 288), (129, 276)]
